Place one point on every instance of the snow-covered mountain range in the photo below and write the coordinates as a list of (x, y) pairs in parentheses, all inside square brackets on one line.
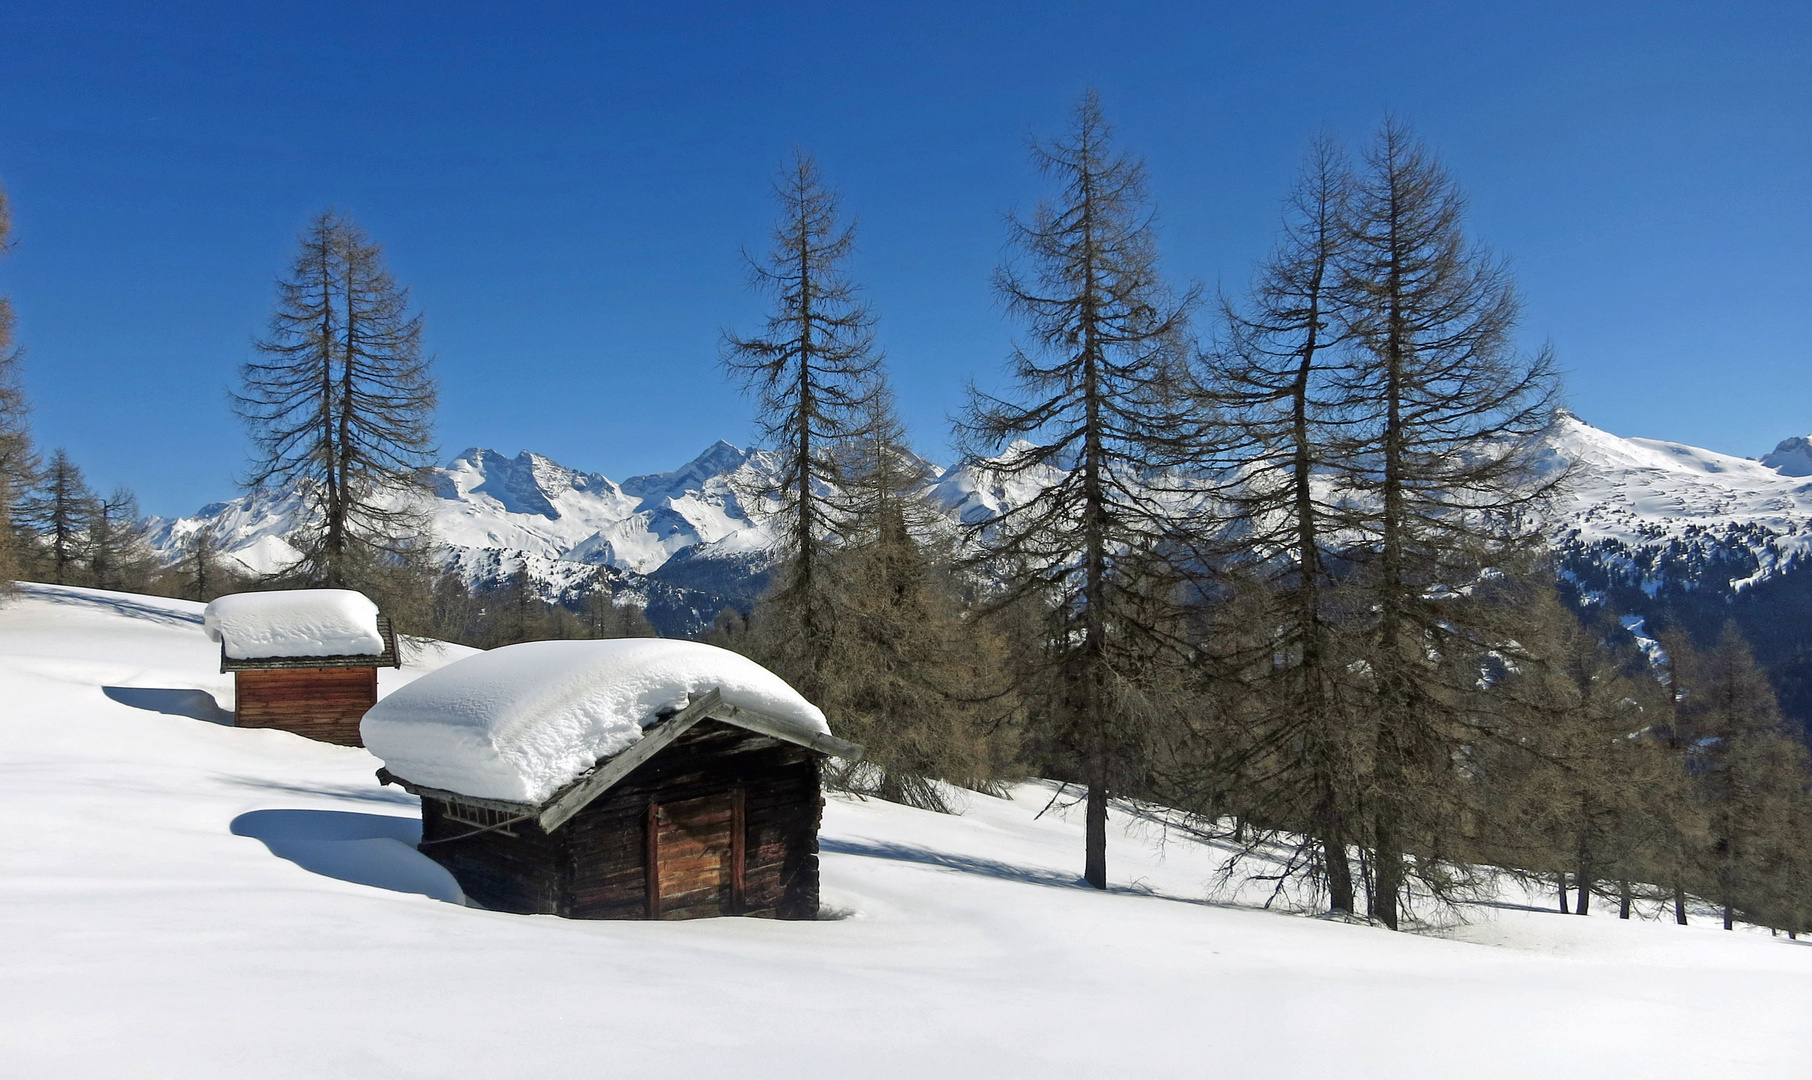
[(1647, 528), (1646, 508), (522, 506), (683, 543)]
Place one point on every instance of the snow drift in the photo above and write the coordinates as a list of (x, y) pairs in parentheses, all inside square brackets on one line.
[(519, 722), (297, 622)]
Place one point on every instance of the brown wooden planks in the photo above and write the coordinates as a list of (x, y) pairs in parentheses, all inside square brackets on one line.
[(692, 853), (522, 873), (739, 850), (596, 865), (319, 703), (651, 861)]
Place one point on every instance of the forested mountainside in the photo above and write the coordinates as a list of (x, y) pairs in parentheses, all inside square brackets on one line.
[(1650, 532)]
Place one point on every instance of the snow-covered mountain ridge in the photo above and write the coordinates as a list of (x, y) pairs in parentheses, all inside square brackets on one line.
[(493, 514), (681, 542), (1643, 515), (1681, 505)]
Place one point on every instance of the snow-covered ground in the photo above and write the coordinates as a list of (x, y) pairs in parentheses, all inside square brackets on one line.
[(180, 898)]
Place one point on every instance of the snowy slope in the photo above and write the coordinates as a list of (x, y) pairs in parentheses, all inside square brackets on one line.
[(184, 899), (1629, 488), (1645, 493)]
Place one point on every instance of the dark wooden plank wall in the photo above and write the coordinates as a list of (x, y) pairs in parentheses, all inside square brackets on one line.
[(520, 868), (596, 865), (782, 815), (322, 703)]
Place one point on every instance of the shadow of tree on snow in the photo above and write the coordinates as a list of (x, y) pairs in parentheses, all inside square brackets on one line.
[(111, 603), (372, 794), (971, 864)]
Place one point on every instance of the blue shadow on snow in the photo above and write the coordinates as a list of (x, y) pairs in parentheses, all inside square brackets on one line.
[(194, 704), (994, 868), (347, 792), (968, 864), (376, 850)]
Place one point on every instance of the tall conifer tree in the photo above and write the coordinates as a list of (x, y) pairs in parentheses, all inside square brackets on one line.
[(59, 511), (813, 373), (1272, 378), (1444, 455), (18, 464), (339, 404), (919, 678), (1748, 770), (118, 556), (1097, 408)]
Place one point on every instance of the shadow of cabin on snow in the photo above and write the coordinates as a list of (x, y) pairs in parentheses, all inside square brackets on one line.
[(710, 809), (303, 660)]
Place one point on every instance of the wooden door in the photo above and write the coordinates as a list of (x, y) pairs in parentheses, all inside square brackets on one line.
[(696, 857)]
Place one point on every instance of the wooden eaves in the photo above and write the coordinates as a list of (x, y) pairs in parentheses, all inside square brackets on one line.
[(388, 658), (562, 805)]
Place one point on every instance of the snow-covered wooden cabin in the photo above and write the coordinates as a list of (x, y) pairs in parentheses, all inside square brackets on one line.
[(303, 660), (625, 779)]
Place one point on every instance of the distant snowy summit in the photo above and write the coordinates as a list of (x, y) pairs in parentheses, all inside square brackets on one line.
[(531, 504), (1630, 488)]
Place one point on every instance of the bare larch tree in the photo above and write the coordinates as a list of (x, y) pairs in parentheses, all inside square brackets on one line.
[(118, 555), (339, 404), (1446, 462), (812, 373), (1270, 380), (1098, 411), (920, 679), (59, 510), (18, 464), (1749, 773)]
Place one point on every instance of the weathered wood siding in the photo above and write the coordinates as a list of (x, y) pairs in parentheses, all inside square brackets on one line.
[(321, 703), (695, 849), (519, 868), (718, 797)]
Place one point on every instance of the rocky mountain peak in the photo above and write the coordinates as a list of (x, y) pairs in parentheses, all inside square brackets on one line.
[(719, 459), (1793, 457)]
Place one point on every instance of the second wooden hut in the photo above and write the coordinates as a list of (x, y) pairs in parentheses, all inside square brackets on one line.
[(303, 660)]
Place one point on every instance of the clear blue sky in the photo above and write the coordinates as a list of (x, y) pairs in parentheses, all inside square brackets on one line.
[(566, 188)]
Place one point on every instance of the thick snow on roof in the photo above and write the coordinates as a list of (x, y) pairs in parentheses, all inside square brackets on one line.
[(519, 722), (296, 622)]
